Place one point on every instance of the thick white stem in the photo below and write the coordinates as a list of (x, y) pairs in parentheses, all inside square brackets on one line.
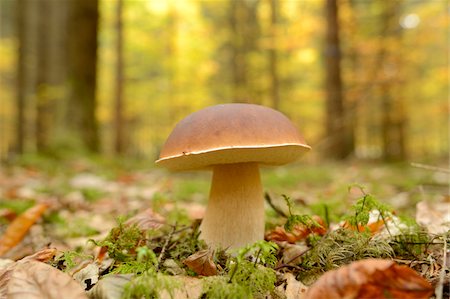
[(235, 213)]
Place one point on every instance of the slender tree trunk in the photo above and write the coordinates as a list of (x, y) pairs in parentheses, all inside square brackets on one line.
[(82, 70), (394, 117), (43, 100), (273, 55), (172, 63), (119, 144), (338, 130), (22, 36), (244, 35)]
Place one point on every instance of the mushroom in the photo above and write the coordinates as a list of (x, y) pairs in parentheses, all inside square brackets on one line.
[(233, 140)]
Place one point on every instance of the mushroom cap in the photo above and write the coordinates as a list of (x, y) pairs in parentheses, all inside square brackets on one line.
[(232, 133)]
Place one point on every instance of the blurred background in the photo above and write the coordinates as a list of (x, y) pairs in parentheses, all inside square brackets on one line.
[(361, 79)]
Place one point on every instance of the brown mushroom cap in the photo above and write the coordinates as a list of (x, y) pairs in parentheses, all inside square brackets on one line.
[(232, 133)]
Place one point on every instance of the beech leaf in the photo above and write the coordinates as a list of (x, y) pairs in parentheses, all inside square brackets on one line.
[(202, 263), (35, 280), (110, 287), (146, 220), (371, 278), (299, 232), (20, 226)]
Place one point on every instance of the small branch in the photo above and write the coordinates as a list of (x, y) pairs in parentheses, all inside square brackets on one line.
[(440, 285), (163, 250), (430, 167), (275, 208), (287, 264)]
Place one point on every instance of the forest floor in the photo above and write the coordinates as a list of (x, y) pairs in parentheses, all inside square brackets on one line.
[(123, 230)]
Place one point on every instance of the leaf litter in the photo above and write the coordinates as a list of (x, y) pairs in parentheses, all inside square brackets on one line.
[(149, 254)]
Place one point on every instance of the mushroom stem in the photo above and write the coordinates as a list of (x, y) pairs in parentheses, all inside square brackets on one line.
[(235, 213)]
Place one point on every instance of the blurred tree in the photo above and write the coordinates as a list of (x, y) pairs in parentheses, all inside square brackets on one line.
[(172, 52), (245, 34), (23, 10), (44, 103), (393, 122), (119, 143), (338, 125), (83, 25), (273, 55)]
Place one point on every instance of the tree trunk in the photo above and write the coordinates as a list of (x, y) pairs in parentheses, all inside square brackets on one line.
[(172, 63), (273, 56), (43, 91), (338, 128), (394, 117), (82, 60), (119, 143), (22, 90), (244, 35)]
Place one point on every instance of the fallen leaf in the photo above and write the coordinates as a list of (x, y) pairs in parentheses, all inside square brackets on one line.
[(17, 230), (36, 280), (371, 278), (110, 287), (202, 263), (292, 288), (435, 217), (43, 255), (87, 275), (192, 289), (146, 220), (299, 232)]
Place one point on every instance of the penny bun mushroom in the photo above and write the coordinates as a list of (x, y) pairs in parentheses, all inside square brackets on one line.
[(233, 140)]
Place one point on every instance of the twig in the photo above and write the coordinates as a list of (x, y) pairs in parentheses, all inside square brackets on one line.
[(430, 167), (163, 250), (291, 260), (275, 208), (440, 285)]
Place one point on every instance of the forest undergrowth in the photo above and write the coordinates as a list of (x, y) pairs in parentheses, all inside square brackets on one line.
[(105, 232)]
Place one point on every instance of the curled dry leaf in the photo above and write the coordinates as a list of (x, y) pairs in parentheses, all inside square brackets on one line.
[(202, 263), (17, 230), (110, 287), (299, 232), (146, 220), (292, 288), (371, 278), (35, 280), (43, 255), (435, 217)]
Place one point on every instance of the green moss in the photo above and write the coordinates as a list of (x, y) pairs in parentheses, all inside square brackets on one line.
[(151, 284), (122, 242)]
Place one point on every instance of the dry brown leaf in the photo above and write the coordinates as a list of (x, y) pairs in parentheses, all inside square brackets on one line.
[(36, 280), (371, 278), (292, 288), (299, 232), (17, 230), (110, 287), (43, 255), (434, 216), (373, 227), (202, 263), (146, 220)]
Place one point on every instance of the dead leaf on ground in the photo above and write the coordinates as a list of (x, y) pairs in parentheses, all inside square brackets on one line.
[(43, 255), (110, 287), (371, 278), (35, 280), (17, 230), (435, 217), (146, 220), (292, 288), (202, 263), (299, 232)]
